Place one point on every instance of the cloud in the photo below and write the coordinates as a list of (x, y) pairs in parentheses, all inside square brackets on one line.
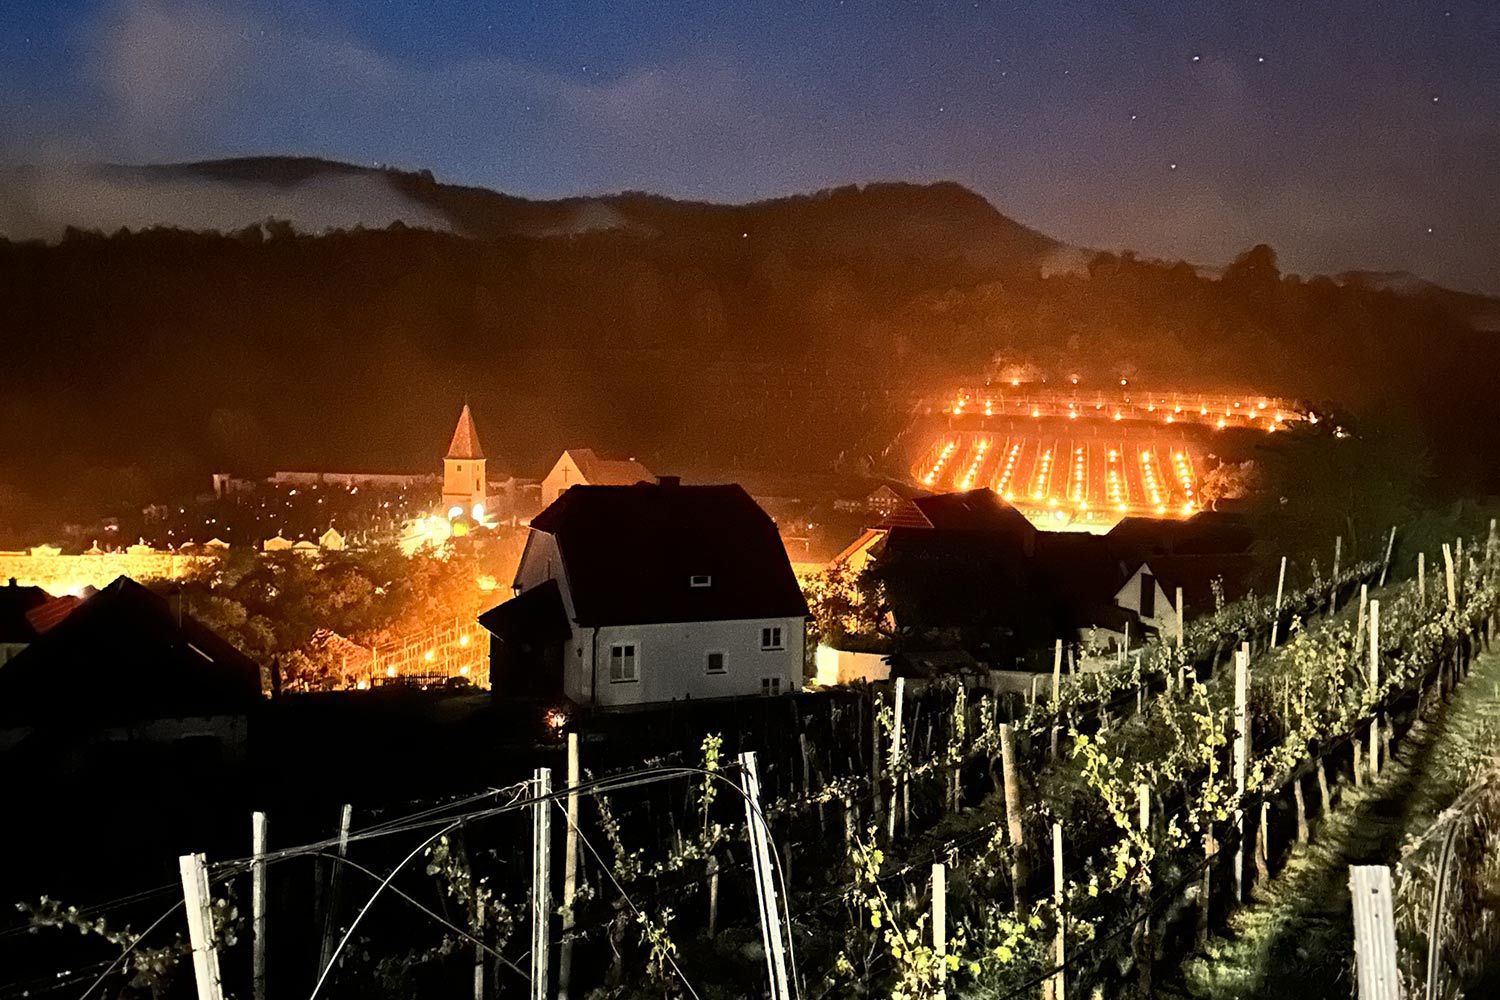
[(40, 202)]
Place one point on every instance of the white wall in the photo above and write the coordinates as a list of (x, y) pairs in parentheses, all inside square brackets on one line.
[(564, 474), (839, 666), (541, 561), (1129, 597), (671, 661)]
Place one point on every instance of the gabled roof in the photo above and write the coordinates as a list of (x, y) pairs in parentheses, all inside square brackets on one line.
[(630, 552), (15, 604), (976, 510), (602, 471), (123, 654), (537, 615), (465, 444)]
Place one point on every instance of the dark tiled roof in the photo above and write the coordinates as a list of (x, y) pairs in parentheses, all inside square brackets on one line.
[(976, 510), (465, 442), (630, 551), (122, 654), (15, 604)]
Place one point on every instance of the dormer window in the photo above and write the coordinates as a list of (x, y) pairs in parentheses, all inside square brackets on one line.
[(702, 580)]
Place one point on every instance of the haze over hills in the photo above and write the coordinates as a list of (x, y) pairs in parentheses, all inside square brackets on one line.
[(338, 314)]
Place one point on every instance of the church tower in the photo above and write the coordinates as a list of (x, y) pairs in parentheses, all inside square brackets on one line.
[(463, 470)]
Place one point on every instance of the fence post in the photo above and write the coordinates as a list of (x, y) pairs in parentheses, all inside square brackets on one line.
[(1056, 692), (765, 881), (570, 872), (1448, 574), (1241, 753), (335, 890), (200, 920), (940, 926), (258, 905), (1014, 826), (541, 880), (1374, 933), (1422, 580), (1333, 595), (1359, 623), (898, 778), (1374, 689), (1390, 546), (1060, 980), (1280, 590), (1181, 647)]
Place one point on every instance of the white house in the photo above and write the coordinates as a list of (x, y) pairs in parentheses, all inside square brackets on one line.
[(583, 467), (628, 595), (1143, 594)]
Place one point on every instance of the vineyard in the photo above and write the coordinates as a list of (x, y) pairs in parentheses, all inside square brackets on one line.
[(908, 841)]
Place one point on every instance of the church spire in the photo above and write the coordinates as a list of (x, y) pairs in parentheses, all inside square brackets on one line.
[(465, 443)]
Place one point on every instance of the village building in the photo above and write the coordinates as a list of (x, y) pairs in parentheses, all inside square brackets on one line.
[(584, 467), (128, 666), (465, 489), (654, 592)]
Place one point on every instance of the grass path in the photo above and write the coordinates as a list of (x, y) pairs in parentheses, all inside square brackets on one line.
[(1296, 940)]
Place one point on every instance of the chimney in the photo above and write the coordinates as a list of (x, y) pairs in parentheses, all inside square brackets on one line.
[(668, 480)]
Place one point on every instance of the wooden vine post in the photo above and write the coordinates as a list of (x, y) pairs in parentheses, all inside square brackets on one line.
[(1060, 953), (1422, 580), (1145, 951), (1385, 565), (1181, 647), (570, 873), (1333, 594), (1374, 689), (1056, 694), (1450, 578), (1241, 757), (1359, 622), (258, 899), (1014, 826), (1375, 968), (940, 926), (898, 778), (1276, 611)]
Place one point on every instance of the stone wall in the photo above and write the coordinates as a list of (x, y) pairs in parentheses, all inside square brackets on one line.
[(70, 574)]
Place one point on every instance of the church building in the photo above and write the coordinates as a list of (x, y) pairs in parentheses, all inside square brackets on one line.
[(464, 484)]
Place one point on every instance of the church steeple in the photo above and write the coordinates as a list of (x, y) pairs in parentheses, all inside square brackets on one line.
[(465, 443), (464, 484)]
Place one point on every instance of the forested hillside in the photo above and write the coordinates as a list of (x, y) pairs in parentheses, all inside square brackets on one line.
[(787, 334)]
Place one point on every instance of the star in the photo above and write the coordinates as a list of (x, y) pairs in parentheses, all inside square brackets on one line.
[(1260, 59), (1197, 58), (1171, 166)]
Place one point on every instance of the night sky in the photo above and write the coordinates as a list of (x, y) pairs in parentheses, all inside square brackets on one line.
[(1346, 134)]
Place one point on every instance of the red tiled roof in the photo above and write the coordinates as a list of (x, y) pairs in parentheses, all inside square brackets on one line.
[(465, 442)]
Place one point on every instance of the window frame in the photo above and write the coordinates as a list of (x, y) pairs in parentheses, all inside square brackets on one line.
[(633, 658), (772, 639), (707, 578), (708, 656)]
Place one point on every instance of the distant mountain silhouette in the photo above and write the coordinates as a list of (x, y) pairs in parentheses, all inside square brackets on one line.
[(165, 321)]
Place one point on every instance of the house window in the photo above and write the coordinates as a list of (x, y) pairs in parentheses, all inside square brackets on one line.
[(714, 663), (700, 581), (770, 685), (770, 638), (622, 667), (1148, 596)]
